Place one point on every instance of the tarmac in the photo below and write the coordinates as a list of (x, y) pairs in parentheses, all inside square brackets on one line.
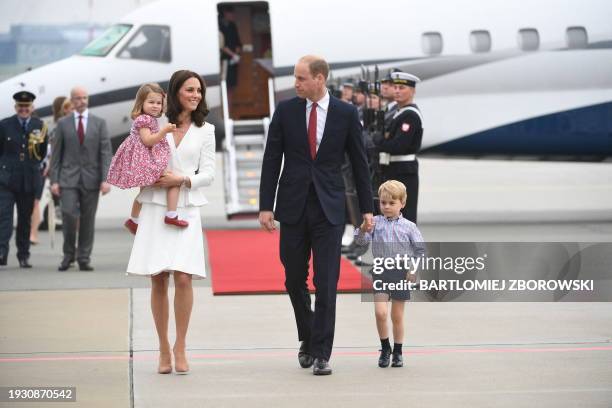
[(94, 330)]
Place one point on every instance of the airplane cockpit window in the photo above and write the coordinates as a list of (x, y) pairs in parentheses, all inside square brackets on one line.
[(151, 43), (102, 45)]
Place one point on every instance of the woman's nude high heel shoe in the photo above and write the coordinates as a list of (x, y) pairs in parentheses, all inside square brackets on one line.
[(165, 364), (181, 366)]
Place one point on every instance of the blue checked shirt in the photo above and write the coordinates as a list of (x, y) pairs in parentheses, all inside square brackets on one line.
[(391, 237)]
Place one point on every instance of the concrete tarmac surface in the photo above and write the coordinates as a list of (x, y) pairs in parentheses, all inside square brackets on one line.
[(94, 331)]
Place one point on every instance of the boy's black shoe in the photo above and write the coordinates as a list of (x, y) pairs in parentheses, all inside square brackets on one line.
[(383, 360), (398, 360)]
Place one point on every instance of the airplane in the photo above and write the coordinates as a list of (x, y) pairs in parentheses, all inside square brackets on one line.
[(526, 78)]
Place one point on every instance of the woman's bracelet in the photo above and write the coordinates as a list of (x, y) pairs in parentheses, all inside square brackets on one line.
[(184, 182)]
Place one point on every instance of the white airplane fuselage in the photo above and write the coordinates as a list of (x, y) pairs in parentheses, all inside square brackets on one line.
[(475, 97)]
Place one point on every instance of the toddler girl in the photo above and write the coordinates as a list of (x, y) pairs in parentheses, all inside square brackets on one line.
[(143, 156)]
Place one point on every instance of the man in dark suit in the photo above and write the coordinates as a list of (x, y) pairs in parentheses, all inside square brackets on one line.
[(79, 165), (312, 131), (23, 146)]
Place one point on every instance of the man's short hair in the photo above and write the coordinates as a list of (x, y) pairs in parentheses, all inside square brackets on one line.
[(316, 65), (394, 189)]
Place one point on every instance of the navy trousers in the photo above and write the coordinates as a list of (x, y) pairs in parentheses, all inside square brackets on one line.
[(25, 205), (313, 233)]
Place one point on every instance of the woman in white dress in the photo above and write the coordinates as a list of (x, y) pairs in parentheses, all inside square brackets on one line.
[(160, 249)]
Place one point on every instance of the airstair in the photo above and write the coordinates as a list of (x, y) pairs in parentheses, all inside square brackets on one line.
[(243, 150)]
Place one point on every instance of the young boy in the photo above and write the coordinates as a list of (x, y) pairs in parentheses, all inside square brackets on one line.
[(391, 235)]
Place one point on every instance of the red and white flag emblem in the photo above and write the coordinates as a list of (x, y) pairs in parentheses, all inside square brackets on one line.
[(405, 127)]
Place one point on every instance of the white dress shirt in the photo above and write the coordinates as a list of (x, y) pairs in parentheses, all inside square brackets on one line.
[(322, 107), (76, 120)]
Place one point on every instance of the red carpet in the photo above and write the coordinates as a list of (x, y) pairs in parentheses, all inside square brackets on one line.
[(247, 261)]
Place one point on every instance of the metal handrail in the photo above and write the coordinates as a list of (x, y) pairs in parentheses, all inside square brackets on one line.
[(229, 146)]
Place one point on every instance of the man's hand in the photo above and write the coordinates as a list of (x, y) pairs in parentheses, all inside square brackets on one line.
[(105, 188), (55, 189), (368, 222), (266, 220)]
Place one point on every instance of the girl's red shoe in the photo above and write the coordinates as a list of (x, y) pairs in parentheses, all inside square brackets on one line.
[(175, 221), (131, 226)]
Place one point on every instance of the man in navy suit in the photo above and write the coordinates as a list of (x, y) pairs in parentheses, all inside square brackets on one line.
[(312, 131)]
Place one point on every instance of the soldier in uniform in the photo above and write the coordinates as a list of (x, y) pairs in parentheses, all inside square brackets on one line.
[(23, 146), (347, 91), (401, 142), (387, 90)]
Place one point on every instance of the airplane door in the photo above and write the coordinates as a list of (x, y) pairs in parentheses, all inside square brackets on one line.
[(247, 78)]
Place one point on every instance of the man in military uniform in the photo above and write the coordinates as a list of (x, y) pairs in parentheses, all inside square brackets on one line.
[(401, 142), (23, 146), (347, 91), (387, 90)]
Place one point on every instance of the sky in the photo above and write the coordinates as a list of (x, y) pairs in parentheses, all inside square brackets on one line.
[(64, 11)]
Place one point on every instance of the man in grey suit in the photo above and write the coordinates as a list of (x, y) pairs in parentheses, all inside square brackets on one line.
[(81, 157)]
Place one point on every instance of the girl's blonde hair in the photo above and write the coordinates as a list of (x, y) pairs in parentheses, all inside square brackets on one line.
[(141, 97), (67, 104)]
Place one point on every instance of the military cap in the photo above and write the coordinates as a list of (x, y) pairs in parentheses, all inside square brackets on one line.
[(404, 78), (388, 77), (24, 97), (348, 83)]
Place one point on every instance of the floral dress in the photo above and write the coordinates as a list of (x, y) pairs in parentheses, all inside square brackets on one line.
[(136, 165)]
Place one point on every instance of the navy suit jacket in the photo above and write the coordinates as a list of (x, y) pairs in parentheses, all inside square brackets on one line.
[(288, 137)]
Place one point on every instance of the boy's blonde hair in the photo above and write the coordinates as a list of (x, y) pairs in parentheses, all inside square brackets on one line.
[(394, 189), (141, 97)]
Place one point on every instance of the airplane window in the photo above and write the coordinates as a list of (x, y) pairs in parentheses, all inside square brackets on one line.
[(576, 37), (431, 42), (528, 39), (480, 41), (151, 43), (102, 45)]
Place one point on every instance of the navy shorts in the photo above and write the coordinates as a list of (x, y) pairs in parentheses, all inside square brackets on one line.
[(392, 282)]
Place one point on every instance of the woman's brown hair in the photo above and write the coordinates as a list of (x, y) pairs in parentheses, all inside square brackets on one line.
[(174, 106), (141, 97), (57, 106)]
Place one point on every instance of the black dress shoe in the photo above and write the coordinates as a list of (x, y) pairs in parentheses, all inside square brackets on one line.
[(321, 367), (398, 360), (23, 263), (2, 260), (304, 357), (86, 267), (383, 360), (64, 265)]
